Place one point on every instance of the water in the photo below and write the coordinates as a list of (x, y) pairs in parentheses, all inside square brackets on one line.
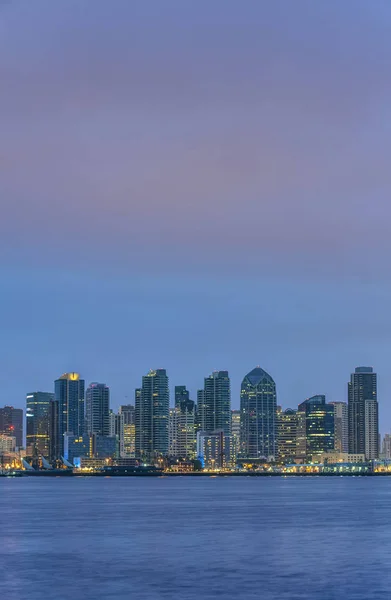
[(184, 538)]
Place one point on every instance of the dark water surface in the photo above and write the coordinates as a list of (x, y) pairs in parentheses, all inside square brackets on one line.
[(184, 538)]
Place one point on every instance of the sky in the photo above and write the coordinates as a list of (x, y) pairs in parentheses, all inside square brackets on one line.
[(195, 185)]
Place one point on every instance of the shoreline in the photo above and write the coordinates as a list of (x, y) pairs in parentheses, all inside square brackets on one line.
[(45, 474)]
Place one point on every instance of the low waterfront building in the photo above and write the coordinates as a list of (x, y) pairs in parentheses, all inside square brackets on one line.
[(339, 457)]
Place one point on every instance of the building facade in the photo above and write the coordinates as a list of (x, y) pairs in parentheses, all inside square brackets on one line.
[(362, 388), (341, 457), (287, 435), (172, 432), (319, 425), (127, 413), (235, 431), (11, 423), (386, 446), (214, 450), (214, 403), (152, 416), (182, 431), (182, 394), (7, 444), (301, 436), (69, 396), (371, 430), (98, 409), (341, 427), (258, 407), (38, 423)]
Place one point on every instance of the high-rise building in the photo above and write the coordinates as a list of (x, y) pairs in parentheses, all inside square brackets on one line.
[(371, 430), (258, 407), (235, 430), (11, 423), (182, 435), (69, 393), (214, 450), (98, 409), (181, 394), (362, 388), (128, 414), (172, 432), (54, 430), (214, 403), (301, 437), (319, 425), (386, 446), (38, 423), (287, 435), (186, 433), (116, 422), (152, 415), (341, 428)]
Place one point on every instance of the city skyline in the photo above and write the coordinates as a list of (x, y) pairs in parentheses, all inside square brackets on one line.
[(75, 424), (235, 395)]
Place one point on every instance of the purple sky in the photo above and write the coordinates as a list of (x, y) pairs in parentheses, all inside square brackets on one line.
[(196, 186)]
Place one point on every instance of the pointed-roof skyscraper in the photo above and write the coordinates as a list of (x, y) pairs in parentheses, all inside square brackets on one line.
[(258, 410)]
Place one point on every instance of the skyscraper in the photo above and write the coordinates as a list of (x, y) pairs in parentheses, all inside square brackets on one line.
[(11, 423), (301, 438), (173, 431), (386, 447), (319, 425), (54, 431), (186, 434), (128, 414), (181, 394), (258, 407), (116, 422), (98, 409), (362, 388), (287, 435), (371, 430), (152, 414), (38, 423), (235, 429), (182, 434), (214, 403), (341, 430), (69, 393)]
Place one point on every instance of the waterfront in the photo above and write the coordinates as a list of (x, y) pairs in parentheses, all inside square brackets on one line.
[(190, 538)]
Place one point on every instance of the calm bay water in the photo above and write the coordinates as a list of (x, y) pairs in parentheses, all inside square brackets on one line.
[(184, 538)]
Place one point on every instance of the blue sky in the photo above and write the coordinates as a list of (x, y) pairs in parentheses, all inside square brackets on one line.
[(196, 186)]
